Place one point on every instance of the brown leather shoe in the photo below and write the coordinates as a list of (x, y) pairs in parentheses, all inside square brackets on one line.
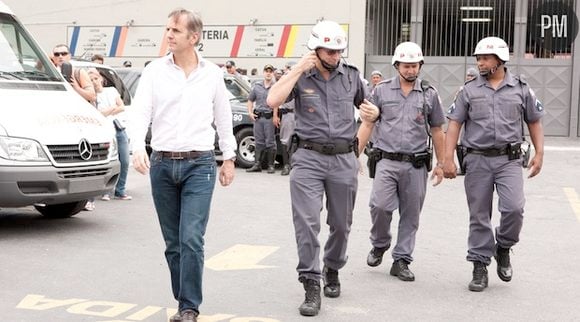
[(188, 316)]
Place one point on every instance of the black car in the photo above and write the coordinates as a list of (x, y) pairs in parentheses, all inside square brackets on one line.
[(243, 127)]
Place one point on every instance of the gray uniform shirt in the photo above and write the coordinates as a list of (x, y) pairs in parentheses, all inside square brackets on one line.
[(493, 117), (325, 109), (258, 95), (401, 128)]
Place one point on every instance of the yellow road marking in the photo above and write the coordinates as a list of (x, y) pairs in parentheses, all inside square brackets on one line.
[(574, 200), (240, 257)]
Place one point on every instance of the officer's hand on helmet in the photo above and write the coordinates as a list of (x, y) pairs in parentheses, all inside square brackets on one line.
[(368, 111), (307, 62), (449, 169)]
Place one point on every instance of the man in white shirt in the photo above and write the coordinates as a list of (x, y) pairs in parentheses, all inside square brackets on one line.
[(181, 94)]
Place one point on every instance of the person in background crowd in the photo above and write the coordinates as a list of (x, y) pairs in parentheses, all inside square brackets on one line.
[(376, 77), (183, 95), (261, 113), (110, 104), (80, 82), (127, 64), (284, 119), (98, 59)]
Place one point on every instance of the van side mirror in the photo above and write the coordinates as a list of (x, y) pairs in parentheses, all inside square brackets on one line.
[(66, 70)]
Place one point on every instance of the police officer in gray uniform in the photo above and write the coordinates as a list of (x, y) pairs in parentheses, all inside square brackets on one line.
[(324, 163), (262, 114), (284, 119), (403, 155), (494, 107)]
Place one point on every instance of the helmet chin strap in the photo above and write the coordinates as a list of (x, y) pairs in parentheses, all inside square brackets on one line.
[(489, 72), (326, 65)]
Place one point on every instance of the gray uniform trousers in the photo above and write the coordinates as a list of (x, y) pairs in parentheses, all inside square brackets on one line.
[(312, 175), (287, 126), (265, 133), (483, 174), (397, 184)]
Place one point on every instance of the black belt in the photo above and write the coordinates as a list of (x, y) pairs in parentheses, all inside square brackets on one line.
[(397, 156), (266, 115), (327, 148), (491, 152), (286, 111), (181, 155)]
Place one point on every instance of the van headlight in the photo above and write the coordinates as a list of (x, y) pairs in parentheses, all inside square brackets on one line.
[(18, 149), (113, 149)]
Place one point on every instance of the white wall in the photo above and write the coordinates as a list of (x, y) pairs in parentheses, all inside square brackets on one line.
[(49, 20)]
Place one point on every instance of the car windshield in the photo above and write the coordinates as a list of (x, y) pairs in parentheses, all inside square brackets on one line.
[(236, 90), (20, 58)]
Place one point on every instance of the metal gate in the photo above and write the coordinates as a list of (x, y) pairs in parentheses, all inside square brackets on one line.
[(448, 31)]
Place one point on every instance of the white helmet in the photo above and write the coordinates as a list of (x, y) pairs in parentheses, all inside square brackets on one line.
[(493, 45), (407, 52), (327, 34)]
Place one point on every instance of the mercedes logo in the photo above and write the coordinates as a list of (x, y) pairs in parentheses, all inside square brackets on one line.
[(85, 149)]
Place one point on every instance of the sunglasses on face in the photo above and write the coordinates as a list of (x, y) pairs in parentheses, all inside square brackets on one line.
[(58, 54)]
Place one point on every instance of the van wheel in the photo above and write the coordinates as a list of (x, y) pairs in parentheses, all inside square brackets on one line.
[(63, 210), (246, 147)]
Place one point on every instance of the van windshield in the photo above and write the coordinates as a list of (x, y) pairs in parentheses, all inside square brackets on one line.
[(20, 57)]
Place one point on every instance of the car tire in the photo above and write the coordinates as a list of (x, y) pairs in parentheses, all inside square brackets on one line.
[(64, 210), (246, 147)]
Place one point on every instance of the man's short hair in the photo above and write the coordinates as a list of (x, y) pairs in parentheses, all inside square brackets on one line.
[(230, 63), (194, 23), (98, 57)]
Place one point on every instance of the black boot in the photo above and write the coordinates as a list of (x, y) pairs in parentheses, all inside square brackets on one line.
[(271, 157), (331, 282), (401, 270), (479, 281), (257, 167), (375, 257), (312, 300), (286, 161), (504, 268)]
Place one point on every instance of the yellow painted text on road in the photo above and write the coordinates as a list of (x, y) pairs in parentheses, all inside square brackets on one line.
[(574, 200), (239, 257), (119, 311)]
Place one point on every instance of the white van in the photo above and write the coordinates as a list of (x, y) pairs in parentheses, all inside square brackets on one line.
[(56, 149)]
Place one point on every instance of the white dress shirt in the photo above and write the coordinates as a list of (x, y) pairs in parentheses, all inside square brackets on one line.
[(181, 110)]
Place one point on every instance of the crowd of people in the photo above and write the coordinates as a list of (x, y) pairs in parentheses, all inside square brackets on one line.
[(310, 101)]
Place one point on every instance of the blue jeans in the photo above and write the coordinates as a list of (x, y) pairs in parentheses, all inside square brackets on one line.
[(123, 146), (182, 192)]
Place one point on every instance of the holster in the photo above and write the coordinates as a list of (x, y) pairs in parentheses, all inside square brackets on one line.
[(514, 151), (424, 158), (374, 156), (525, 150), (461, 152), (293, 144)]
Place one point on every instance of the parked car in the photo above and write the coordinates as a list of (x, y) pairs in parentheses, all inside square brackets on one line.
[(243, 127)]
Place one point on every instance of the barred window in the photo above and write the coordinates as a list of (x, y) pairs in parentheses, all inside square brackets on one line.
[(453, 28), (388, 24)]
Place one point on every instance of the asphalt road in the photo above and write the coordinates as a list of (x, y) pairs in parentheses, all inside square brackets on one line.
[(108, 265)]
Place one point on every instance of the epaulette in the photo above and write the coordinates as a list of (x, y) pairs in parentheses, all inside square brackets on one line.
[(350, 66), (521, 78), (470, 80)]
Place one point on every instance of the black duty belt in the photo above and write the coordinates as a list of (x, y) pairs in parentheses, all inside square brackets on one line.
[(397, 156), (327, 148), (491, 152), (181, 155), (266, 115), (286, 111)]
